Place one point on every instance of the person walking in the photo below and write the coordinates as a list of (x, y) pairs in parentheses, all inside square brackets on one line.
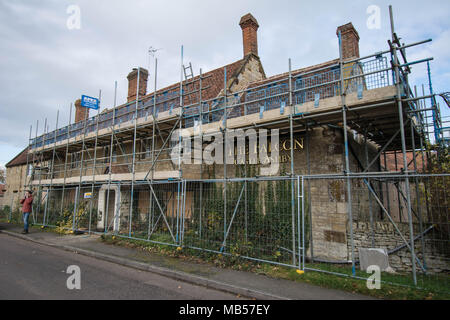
[(26, 209)]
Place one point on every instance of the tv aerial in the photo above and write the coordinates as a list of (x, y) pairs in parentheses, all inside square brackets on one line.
[(152, 51)]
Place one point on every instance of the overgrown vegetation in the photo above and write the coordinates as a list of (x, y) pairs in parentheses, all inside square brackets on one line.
[(2, 175), (258, 221), (5, 213), (62, 223), (436, 187), (66, 222), (16, 215)]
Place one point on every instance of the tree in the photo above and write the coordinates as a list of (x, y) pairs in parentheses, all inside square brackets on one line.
[(2, 175), (437, 186)]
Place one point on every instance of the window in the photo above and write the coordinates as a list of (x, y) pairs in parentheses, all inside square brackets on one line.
[(107, 154), (146, 150), (114, 155), (76, 159)]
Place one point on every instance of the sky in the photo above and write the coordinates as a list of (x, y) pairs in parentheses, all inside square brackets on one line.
[(53, 51)]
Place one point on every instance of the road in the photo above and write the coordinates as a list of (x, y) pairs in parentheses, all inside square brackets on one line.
[(33, 271)]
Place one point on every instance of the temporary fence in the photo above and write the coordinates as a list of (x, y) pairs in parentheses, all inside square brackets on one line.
[(380, 220), (257, 219), (301, 222)]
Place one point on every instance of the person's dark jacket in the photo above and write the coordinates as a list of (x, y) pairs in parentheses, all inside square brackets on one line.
[(26, 204)]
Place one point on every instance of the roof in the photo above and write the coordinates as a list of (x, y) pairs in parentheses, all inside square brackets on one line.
[(212, 82), (19, 159), (294, 73), (212, 87)]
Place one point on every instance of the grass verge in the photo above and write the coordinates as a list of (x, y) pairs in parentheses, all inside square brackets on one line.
[(429, 289)]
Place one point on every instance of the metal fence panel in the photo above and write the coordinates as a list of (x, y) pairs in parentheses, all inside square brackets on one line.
[(380, 220)]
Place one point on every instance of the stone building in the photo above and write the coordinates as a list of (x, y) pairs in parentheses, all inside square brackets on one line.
[(104, 163), (16, 180)]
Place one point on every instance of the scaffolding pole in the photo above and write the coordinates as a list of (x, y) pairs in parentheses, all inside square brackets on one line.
[(405, 162), (372, 228), (41, 160), (75, 210), (130, 220), (111, 146), (150, 220), (52, 171), (65, 162), (291, 133), (223, 248), (95, 161), (346, 154), (419, 207)]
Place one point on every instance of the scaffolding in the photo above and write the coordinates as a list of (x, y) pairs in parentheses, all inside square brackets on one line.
[(369, 97)]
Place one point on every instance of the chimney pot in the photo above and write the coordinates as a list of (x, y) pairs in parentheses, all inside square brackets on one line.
[(81, 113), (349, 41), (132, 83), (249, 26)]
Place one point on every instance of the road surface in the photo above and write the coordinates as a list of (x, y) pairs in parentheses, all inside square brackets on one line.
[(33, 271)]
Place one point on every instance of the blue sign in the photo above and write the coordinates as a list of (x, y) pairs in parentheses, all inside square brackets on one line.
[(89, 102)]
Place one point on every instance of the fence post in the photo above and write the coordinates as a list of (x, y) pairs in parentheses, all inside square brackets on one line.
[(11, 208), (184, 213), (77, 190), (299, 211)]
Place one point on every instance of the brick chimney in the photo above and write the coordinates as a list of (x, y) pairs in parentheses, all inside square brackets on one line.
[(132, 83), (249, 27), (81, 113), (349, 40)]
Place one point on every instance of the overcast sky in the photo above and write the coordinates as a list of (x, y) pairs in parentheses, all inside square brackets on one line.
[(44, 65)]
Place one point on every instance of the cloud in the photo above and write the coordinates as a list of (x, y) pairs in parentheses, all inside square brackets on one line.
[(44, 66)]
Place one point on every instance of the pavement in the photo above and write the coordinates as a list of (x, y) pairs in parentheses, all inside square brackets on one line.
[(231, 283)]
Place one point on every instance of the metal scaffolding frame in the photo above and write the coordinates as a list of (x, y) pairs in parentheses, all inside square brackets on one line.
[(289, 91)]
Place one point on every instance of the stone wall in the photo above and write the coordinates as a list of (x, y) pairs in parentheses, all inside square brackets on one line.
[(385, 235), (251, 72), (15, 180), (318, 151), (327, 198)]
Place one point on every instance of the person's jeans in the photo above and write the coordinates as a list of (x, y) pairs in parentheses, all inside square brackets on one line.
[(26, 215)]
